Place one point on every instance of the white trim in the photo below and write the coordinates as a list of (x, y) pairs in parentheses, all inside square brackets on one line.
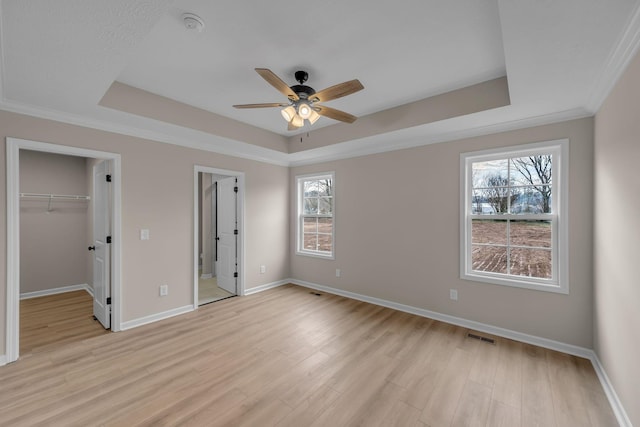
[(624, 51), (559, 283), (157, 131), (609, 391), (14, 145), (614, 401), (241, 228), (299, 207), (189, 138), (399, 140), (12, 333), (55, 291), (89, 290), (206, 276), (130, 324), (471, 324), (3, 359), (266, 287)]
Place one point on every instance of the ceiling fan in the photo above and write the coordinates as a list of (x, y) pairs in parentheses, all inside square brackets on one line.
[(304, 101)]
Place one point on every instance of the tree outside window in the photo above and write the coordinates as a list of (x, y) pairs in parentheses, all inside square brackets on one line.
[(316, 207), (511, 223)]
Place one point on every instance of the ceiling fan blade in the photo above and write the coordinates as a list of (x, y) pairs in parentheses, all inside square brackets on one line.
[(277, 82), (332, 113), (338, 91), (267, 105)]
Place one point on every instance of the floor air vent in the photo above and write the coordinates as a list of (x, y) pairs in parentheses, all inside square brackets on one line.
[(478, 337), (315, 293)]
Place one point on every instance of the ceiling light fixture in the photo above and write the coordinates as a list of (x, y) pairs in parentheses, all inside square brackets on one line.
[(304, 109), (304, 102), (313, 117), (297, 121), (288, 113)]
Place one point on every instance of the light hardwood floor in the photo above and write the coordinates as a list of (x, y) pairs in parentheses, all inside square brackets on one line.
[(58, 320), (209, 291), (287, 357)]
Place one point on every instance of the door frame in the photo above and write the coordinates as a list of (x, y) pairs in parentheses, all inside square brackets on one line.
[(14, 145), (196, 230)]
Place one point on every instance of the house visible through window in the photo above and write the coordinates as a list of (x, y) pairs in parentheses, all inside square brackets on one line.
[(315, 230), (514, 216)]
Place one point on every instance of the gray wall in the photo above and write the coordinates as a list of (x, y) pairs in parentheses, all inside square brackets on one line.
[(398, 236), (157, 193), (617, 239), (53, 245)]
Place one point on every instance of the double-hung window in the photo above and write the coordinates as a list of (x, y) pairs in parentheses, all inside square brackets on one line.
[(514, 216), (315, 232)]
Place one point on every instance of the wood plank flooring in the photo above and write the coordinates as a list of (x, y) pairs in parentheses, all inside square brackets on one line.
[(286, 357), (209, 291), (56, 320)]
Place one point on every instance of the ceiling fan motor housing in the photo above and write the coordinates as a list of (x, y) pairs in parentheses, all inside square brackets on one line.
[(303, 91), (301, 76)]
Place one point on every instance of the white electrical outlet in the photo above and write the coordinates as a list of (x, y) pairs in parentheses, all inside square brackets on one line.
[(338, 272), (453, 294), (164, 290), (263, 269), (144, 234)]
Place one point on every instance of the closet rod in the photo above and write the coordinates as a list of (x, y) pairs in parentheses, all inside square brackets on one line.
[(55, 196)]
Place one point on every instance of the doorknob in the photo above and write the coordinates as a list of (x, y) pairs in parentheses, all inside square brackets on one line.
[(92, 248)]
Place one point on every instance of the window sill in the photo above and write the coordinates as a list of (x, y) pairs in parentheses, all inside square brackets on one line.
[(316, 255), (515, 283)]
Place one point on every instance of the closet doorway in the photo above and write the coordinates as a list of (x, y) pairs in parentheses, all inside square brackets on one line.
[(63, 237), (218, 235)]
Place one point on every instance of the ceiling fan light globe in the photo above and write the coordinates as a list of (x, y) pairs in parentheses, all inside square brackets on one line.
[(288, 113), (304, 110), (313, 117), (297, 121)]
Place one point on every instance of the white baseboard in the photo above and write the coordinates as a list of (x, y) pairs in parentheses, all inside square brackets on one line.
[(60, 290), (481, 327), (586, 353), (3, 359), (614, 401), (266, 286), (155, 317), (206, 276)]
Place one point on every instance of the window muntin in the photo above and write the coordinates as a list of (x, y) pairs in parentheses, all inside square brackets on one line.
[(513, 218), (315, 230)]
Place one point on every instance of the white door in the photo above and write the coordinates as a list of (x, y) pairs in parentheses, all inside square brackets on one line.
[(226, 260), (101, 249)]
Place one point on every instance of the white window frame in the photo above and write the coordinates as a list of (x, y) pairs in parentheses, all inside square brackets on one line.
[(300, 250), (559, 216)]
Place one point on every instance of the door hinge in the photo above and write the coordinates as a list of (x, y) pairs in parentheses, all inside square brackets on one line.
[(108, 178), (235, 189), (108, 239), (235, 231), (109, 300), (235, 274)]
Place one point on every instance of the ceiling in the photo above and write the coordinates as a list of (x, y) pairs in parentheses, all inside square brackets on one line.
[(560, 58)]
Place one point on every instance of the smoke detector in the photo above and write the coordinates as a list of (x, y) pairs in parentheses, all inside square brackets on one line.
[(193, 22)]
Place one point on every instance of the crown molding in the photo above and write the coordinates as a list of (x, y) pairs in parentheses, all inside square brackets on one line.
[(190, 138), (156, 131), (624, 51), (390, 142)]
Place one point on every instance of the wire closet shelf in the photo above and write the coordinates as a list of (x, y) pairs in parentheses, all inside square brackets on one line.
[(52, 197)]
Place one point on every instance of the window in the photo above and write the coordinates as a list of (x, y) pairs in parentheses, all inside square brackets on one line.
[(514, 216), (315, 230)]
